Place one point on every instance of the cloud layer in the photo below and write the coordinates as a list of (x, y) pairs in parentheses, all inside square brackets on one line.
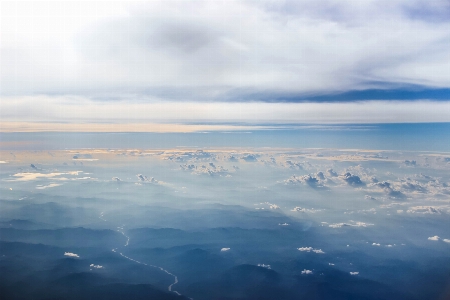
[(80, 63), (83, 114), (222, 49)]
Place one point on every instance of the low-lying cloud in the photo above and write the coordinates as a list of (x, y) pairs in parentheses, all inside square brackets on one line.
[(70, 254)]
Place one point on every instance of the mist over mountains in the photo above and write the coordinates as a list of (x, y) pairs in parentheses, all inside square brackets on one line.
[(224, 224)]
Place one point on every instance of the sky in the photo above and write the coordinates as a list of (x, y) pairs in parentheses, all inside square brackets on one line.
[(87, 64)]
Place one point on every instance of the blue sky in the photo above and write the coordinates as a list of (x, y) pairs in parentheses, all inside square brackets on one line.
[(161, 61)]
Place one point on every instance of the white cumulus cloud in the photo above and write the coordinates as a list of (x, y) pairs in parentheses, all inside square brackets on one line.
[(264, 266), (96, 266), (70, 254), (305, 249), (318, 251)]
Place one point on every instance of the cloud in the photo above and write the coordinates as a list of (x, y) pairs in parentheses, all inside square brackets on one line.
[(225, 249), (359, 169), (307, 272), (233, 159), (28, 176), (320, 176), (34, 176), (294, 165), (187, 167), (62, 113), (362, 211), (151, 61), (264, 266), (410, 163), (190, 156), (82, 156), (387, 189), (434, 238), (352, 180), (305, 249), (446, 240), (70, 254), (354, 273), (392, 204), (314, 182), (96, 266), (309, 249), (305, 210), (293, 180), (250, 157), (383, 185), (425, 210), (332, 173), (318, 251), (144, 178), (157, 49), (308, 179), (42, 187), (211, 170), (375, 244), (183, 36), (413, 186), (112, 125), (351, 223), (272, 206), (395, 194)]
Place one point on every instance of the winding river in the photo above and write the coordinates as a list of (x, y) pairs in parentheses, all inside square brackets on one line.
[(115, 250)]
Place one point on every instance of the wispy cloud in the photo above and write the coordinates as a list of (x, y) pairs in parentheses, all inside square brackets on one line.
[(30, 176), (350, 224), (42, 187), (84, 114)]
